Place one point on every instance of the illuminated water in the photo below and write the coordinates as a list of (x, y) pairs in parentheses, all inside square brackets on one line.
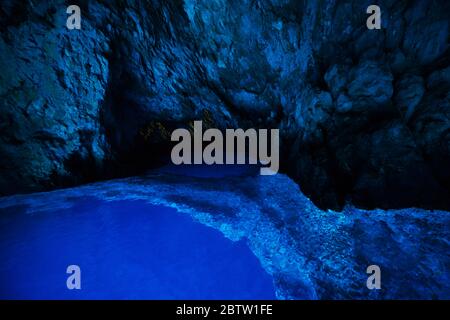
[(126, 250), (220, 233)]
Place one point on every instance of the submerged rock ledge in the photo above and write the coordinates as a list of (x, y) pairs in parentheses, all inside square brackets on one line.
[(310, 253)]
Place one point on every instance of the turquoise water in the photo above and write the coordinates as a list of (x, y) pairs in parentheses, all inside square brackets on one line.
[(131, 243), (126, 250)]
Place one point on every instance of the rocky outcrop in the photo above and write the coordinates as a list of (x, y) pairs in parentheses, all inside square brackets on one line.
[(364, 114)]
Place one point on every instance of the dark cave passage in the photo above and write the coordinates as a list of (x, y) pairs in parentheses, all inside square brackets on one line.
[(363, 114)]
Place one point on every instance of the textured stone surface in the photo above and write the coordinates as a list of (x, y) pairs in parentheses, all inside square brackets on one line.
[(364, 115)]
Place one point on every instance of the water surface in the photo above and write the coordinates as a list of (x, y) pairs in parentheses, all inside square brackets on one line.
[(126, 250)]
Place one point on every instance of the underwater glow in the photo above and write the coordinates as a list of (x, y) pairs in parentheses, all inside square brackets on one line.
[(125, 250), (156, 236)]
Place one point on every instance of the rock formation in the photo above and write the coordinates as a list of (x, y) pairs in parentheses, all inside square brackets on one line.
[(364, 114)]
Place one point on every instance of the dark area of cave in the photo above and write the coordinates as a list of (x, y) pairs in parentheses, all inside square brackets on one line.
[(364, 115)]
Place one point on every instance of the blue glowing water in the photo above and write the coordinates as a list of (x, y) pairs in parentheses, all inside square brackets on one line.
[(126, 250), (215, 233)]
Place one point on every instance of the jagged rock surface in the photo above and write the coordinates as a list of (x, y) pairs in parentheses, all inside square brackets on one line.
[(364, 114)]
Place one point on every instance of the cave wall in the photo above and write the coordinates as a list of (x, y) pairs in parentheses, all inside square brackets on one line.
[(363, 114)]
